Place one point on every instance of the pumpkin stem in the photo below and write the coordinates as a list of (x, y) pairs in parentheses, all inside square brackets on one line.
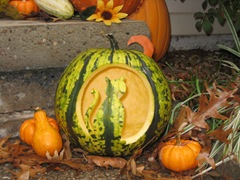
[(113, 42), (178, 137)]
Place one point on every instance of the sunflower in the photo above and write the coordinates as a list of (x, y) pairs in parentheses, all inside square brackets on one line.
[(107, 13)]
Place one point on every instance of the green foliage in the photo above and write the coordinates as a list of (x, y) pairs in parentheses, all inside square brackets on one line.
[(236, 50), (212, 10)]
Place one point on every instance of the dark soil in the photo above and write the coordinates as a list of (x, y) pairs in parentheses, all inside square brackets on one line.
[(180, 67)]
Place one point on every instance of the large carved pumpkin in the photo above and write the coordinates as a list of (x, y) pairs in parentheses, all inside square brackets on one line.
[(129, 6), (112, 101), (155, 14)]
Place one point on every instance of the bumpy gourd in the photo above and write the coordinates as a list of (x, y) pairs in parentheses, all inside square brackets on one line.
[(46, 138), (28, 127)]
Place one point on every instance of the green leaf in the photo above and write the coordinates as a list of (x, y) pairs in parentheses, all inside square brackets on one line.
[(213, 3), (212, 11), (211, 19), (232, 28), (220, 17), (204, 4), (198, 15), (236, 53), (207, 26), (198, 26), (87, 12)]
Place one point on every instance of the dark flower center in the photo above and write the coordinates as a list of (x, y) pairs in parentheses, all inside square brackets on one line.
[(106, 15)]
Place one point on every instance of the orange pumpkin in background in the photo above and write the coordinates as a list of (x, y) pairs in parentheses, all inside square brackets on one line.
[(155, 14), (129, 6), (25, 7)]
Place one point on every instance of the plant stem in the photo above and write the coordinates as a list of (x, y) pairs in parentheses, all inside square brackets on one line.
[(217, 164)]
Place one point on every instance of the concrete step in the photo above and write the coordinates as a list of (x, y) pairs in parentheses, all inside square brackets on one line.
[(39, 44)]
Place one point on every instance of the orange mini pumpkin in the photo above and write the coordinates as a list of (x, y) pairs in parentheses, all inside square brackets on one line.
[(28, 128), (180, 156), (25, 7), (155, 14), (129, 6)]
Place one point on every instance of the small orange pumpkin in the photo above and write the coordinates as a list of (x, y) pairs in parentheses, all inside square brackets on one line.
[(180, 155), (155, 14), (129, 6), (28, 127), (25, 7)]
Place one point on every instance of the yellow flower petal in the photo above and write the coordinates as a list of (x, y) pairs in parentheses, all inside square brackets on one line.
[(92, 17), (121, 15), (100, 5), (107, 22), (109, 5), (116, 20), (99, 19), (117, 9)]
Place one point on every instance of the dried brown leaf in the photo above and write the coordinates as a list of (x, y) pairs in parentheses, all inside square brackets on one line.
[(133, 165), (77, 163), (101, 161), (66, 147), (208, 107), (205, 152), (4, 150), (182, 118), (28, 171), (33, 171), (24, 175), (204, 157), (220, 134)]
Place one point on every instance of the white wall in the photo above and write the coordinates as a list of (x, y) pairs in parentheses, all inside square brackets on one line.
[(182, 18)]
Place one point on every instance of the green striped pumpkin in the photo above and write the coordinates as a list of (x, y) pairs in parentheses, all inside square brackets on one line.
[(112, 102)]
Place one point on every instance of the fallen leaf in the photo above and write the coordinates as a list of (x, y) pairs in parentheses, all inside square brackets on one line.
[(23, 175), (208, 107), (182, 118), (77, 163), (204, 157), (66, 147), (133, 167), (4, 151), (220, 134), (101, 161), (28, 171)]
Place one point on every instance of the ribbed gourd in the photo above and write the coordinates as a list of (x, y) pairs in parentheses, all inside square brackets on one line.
[(111, 101)]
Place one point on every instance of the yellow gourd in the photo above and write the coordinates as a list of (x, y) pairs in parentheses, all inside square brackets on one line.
[(46, 138)]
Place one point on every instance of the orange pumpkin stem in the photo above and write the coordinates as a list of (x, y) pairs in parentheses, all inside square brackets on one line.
[(145, 42)]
